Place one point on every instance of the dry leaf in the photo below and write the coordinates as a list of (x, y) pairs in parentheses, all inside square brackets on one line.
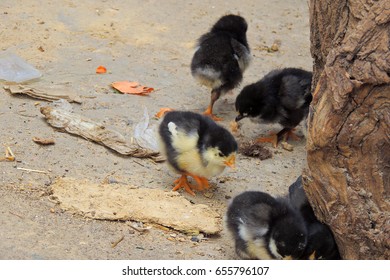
[(162, 112), (132, 88), (43, 141), (101, 70)]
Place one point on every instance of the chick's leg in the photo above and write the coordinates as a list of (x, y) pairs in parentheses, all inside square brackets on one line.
[(215, 94), (291, 134), (203, 183), (274, 139), (182, 182)]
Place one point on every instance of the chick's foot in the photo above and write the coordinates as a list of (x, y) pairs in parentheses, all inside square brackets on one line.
[(182, 182), (209, 113), (290, 134), (203, 183), (273, 139)]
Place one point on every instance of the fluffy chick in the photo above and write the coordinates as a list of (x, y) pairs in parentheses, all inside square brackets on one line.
[(221, 57), (282, 96), (321, 244), (195, 146), (265, 227)]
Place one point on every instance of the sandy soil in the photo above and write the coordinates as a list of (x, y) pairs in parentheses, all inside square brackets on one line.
[(146, 41)]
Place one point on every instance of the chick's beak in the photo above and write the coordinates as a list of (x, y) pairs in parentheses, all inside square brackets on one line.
[(239, 117), (231, 161)]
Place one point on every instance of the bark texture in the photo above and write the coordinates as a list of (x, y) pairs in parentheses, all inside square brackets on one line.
[(348, 175)]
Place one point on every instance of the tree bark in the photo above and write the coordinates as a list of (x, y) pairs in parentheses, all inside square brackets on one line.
[(348, 145)]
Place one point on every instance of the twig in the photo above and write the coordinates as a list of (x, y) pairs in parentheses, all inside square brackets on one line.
[(31, 170), (139, 163), (43, 141), (20, 113), (139, 229), (9, 155), (113, 245), (17, 215)]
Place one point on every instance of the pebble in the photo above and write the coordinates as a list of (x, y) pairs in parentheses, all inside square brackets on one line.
[(208, 194), (287, 146), (275, 47)]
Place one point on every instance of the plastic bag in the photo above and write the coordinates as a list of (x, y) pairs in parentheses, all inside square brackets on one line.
[(145, 135), (63, 105), (15, 69)]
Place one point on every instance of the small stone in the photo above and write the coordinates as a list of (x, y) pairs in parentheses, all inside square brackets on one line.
[(274, 47), (195, 239), (222, 180), (287, 146), (208, 194)]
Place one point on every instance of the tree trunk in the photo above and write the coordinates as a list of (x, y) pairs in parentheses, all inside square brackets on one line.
[(348, 175)]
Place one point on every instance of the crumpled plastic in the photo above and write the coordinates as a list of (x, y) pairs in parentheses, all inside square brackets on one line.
[(145, 135), (63, 105), (15, 69)]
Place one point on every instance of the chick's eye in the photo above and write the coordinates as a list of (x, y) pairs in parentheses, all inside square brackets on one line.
[(220, 154)]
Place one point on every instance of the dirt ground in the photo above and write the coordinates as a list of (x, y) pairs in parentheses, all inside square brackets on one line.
[(146, 41)]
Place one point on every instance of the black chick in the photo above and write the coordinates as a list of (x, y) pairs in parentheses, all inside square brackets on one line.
[(265, 228), (221, 57), (195, 146), (282, 96), (321, 244)]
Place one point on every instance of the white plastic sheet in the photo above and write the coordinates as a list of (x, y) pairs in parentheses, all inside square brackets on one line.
[(145, 135), (15, 69)]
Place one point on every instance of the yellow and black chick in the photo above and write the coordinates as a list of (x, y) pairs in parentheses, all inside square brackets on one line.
[(320, 244), (265, 227), (195, 146), (221, 57), (282, 96)]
